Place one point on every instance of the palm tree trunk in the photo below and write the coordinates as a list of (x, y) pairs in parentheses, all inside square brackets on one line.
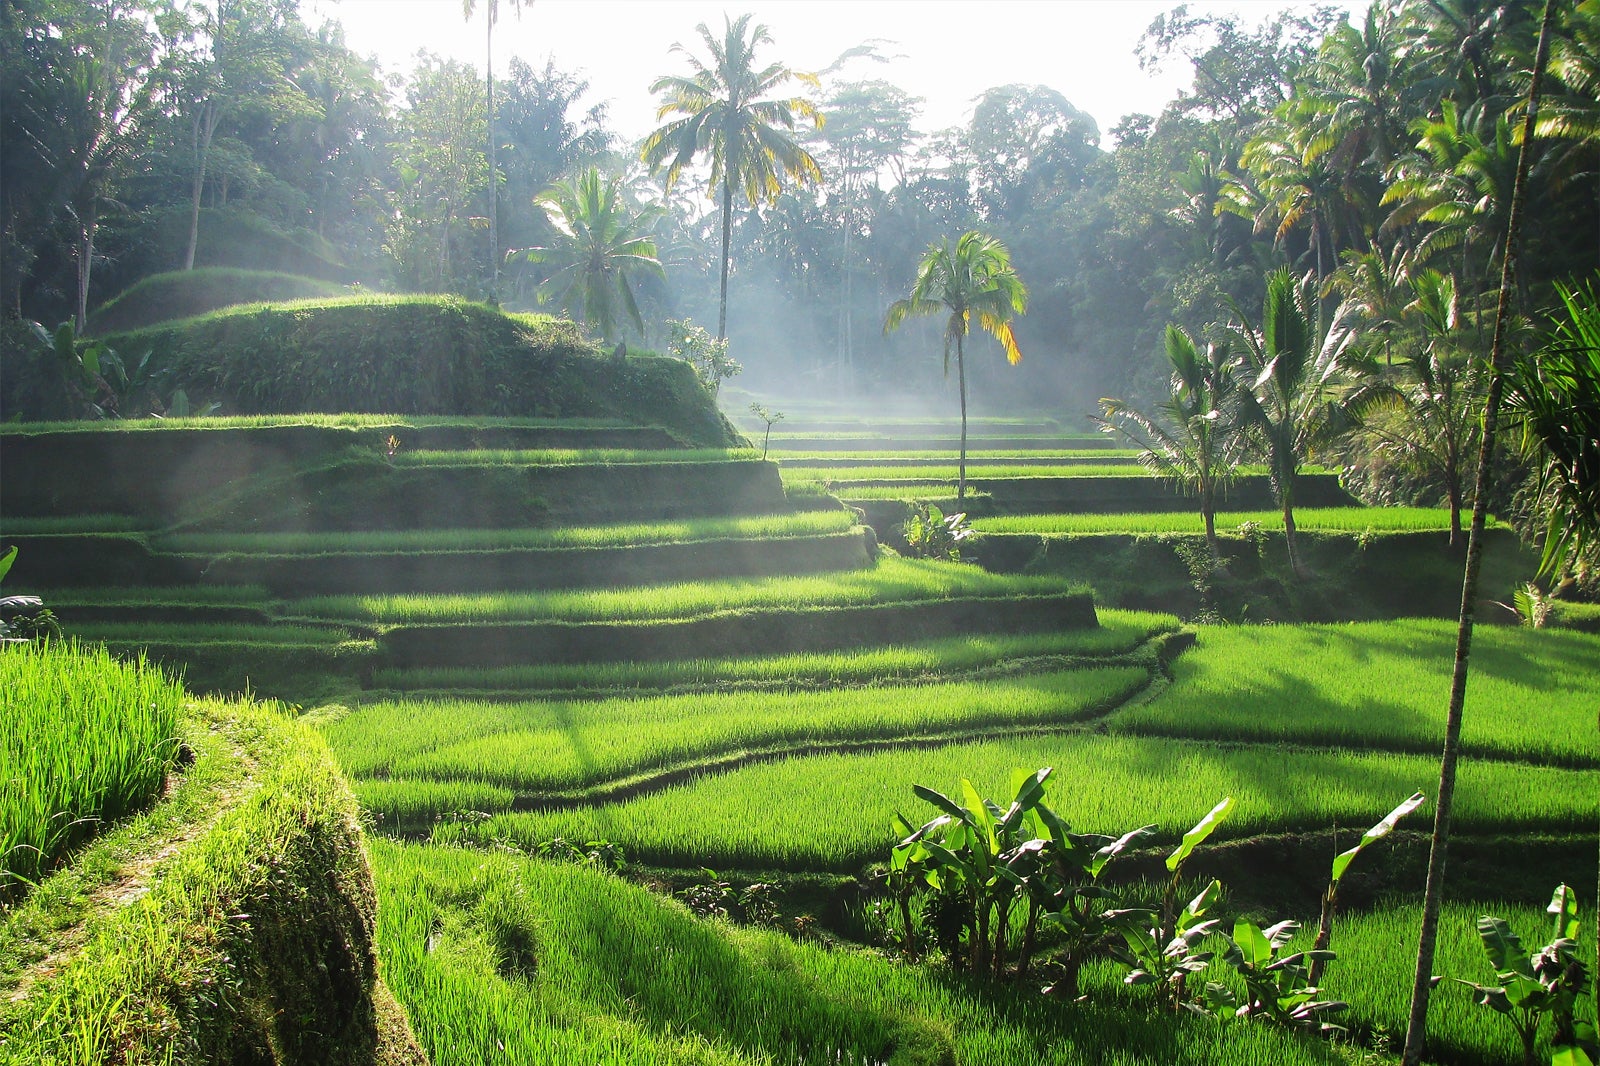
[(727, 244), (1422, 982), (494, 235), (961, 380), (85, 266)]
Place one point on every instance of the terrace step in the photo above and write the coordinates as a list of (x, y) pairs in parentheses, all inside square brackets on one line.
[(732, 633), (154, 473), (338, 573), (890, 444), (822, 462), (1045, 495)]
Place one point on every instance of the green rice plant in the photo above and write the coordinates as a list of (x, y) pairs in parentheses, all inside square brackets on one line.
[(766, 527), (347, 420), (1383, 685), (625, 977), (805, 459), (567, 746), (401, 802), (1330, 519), (164, 596), (59, 524), (87, 740), (202, 633), (1119, 632), (572, 456), (842, 476), (892, 580), (1377, 958), (834, 812)]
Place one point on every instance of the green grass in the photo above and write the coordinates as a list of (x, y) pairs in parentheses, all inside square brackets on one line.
[(808, 523), (504, 959), (1119, 632), (345, 420), (162, 596), (891, 580), (563, 746), (801, 459), (866, 471), (199, 634), (1377, 960), (1326, 519), (572, 456), (59, 524), (832, 812), (1531, 693), (87, 740)]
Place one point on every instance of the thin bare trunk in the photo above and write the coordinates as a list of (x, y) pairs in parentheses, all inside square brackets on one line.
[(1422, 983), (494, 233), (85, 266), (961, 379), (727, 244)]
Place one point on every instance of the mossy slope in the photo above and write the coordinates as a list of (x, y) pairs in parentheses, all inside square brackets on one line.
[(231, 922)]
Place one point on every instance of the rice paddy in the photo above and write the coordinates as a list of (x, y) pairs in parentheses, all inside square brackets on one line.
[(790, 765), (1383, 685), (892, 580), (837, 810), (1310, 519), (768, 527), (86, 740), (571, 456)]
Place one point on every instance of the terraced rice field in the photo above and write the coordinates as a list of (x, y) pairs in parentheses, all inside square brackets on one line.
[(784, 765)]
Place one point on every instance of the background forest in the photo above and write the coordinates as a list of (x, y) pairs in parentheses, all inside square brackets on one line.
[(171, 135)]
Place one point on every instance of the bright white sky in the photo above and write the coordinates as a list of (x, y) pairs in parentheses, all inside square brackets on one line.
[(949, 51)]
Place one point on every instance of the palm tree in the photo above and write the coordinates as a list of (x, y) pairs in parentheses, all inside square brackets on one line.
[(493, 12), (1190, 440), (971, 277), (1425, 408), (1288, 399), (1555, 395), (599, 242), (727, 112)]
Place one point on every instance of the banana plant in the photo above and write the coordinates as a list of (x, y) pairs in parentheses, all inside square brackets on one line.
[(1277, 989), (1079, 909), (1341, 863), (976, 856), (1544, 985), (1165, 954)]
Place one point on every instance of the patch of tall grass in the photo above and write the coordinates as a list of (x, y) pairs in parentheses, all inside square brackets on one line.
[(1119, 632), (556, 746), (347, 420), (833, 812), (1532, 694), (893, 579), (203, 633), (572, 456), (52, 525), (499, 958), (1377, 959), (805, 523), (87, 740), (1331, 519), (804, 460), (162, 596)]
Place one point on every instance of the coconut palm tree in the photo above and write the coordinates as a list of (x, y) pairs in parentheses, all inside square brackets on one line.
[(1190, 438), (600, 241), (1289, 399), (973, 276), (729, 113), (467, 8)]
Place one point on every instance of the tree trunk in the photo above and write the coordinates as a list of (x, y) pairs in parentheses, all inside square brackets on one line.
[(1422, 982), (1288, 535), (961, 380), (494, 233), (205, 128), (727, 244), (85, 265)]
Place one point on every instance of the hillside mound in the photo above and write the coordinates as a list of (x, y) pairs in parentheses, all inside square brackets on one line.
[(186, 293), (419, 355)]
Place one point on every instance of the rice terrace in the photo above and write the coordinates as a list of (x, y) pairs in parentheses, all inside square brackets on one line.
[(541, 551)]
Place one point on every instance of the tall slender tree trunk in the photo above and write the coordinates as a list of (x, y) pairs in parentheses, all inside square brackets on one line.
[(1422, 983), (85, 264), (205, 128), (494, 234), (961, 381), (727, 245)]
